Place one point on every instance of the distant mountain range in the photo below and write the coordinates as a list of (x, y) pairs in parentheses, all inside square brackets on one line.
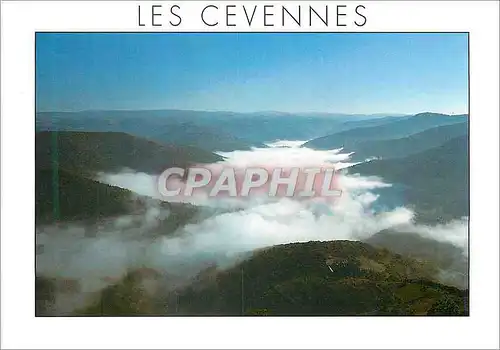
[(401, 127), (204, 137), (212, 131), (405, 146), (364, 123)]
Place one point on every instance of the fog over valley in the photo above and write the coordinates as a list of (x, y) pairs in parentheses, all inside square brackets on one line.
[(106, 229)]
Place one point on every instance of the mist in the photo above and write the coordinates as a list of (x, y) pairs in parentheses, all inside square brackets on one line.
[(99, 256)]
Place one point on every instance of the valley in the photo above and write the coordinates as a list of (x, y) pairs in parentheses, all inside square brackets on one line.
[(394, 243)]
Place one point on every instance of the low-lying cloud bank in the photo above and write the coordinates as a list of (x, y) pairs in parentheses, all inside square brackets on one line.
[(97, 257), (454, 232)]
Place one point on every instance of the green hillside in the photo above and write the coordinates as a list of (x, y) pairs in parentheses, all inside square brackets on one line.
[(219, 130), (437, 179), (402, 147), (392, 130), (445, 256), (203, 137), (64, 196), (295, 279), (87, 152), (364, 123), (79, 198)]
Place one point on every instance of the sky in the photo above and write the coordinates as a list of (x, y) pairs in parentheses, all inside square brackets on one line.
[(249, 72)]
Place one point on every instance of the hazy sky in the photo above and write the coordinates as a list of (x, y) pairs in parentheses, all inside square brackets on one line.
[(349, 73)]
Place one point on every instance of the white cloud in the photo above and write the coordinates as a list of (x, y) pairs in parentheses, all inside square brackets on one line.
[(454, 232), (288, 154), (257, 222)]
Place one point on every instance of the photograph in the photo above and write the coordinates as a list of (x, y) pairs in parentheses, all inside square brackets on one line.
[(182, 174)]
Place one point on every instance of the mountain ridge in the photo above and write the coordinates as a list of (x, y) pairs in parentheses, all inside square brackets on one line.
[(334, 278), (91, 152), (392, 130)]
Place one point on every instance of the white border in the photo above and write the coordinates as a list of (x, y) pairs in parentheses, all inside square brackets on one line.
[(21, 330)]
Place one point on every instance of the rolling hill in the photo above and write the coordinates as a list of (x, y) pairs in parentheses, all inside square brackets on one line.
[(71, 159), (302, 279), (90, 152), (392, 130), (449, 259), (215, 131), (427, 154), (415, 143), (364, 123), (166, 127), (76, 197), (191, 135), (437, 180), (212, 130)]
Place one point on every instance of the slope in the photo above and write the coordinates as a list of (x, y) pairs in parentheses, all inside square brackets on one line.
[(449, 259), (364, 123), (397, 129), (77, 197), (89, 152), (167, 127), (437, 179), (190, 134), (222, 129), (296, 280), (415, 143)]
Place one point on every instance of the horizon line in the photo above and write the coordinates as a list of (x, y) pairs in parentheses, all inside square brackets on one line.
[(389, 114)]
